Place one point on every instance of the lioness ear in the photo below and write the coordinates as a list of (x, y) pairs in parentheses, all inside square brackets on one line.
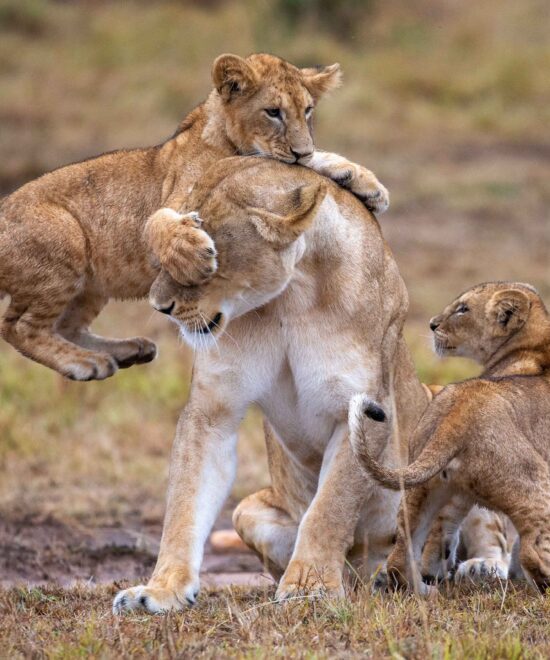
[(509, 310), (232, 75), (319, 81), (298, 209)]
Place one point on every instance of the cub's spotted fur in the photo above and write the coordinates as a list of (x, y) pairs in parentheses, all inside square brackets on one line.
[(83, 234), (486, 440)]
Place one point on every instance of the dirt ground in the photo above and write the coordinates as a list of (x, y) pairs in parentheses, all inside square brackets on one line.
[(41, 550)]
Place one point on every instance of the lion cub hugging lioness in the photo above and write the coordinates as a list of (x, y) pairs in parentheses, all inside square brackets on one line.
[(485, 440), (87, 232)]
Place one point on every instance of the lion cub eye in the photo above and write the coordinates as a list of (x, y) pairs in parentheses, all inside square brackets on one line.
[(462, 309), (309, 110), (273, 112)]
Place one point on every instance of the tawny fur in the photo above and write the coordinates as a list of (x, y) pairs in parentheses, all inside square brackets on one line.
[(306, 309), (88, 232), (485, 440)]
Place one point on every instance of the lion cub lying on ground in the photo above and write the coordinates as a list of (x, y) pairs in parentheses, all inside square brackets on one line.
[(485, 440), (84, 233)]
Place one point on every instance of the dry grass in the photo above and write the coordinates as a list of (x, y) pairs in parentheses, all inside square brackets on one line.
[(464, 623), (449, 104)]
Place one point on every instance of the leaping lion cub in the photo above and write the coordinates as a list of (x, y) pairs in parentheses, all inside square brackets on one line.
[(485, 440), (87, 232)]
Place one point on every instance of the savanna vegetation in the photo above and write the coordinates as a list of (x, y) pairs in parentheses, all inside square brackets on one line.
[(449, 103)]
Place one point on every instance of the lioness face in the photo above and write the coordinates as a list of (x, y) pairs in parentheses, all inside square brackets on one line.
[(269, 103), (257, 253), (479, 321)]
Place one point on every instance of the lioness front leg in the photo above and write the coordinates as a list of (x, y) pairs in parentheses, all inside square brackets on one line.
[(327, 529), (356, 178), (202, 470)]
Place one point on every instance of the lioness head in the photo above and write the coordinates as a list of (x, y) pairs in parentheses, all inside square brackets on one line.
[(268, 103), (258, 237), (481, 320)]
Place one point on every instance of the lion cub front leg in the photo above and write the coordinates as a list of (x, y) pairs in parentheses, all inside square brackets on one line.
[(182, 248), (74, 325), (356, 178)]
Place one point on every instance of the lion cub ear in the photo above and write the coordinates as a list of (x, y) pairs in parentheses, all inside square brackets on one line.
[(319, 81), (509, 310), (298, 209), (232, 75)]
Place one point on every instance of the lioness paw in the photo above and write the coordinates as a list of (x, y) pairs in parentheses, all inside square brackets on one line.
[(182, 247), (480, 569), (153, 600), (303, 579)]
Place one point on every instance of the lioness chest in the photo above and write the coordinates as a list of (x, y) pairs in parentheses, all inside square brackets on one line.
[(312, 380)]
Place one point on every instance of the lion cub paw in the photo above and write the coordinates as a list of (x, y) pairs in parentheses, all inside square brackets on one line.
[(137, 350), (181, 246), (154, 600), (95, 367), (371, 192), (480, 570)]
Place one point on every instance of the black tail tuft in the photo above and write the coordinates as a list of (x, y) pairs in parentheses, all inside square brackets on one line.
[(374, 412)]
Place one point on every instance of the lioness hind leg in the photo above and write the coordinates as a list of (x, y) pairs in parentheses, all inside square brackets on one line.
[(29, 328), (267, 529), (74, 326)]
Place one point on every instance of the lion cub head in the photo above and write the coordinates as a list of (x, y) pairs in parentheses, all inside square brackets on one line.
[(267, 103), (486, 318), (258, 237)]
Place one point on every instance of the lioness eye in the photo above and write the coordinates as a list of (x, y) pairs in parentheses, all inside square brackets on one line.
[(462, 309), (273, 112), (309, 110)]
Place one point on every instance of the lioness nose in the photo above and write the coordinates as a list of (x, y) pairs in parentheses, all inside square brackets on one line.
[(167, 310), (300, 154), (434, 325)]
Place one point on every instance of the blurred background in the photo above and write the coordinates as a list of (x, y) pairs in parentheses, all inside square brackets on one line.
[(448, 101)]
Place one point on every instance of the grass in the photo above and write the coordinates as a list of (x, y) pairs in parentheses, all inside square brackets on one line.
[(448, 103), (464, 623)]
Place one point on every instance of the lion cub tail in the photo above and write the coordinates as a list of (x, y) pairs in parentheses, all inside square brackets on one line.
[(434, 457)]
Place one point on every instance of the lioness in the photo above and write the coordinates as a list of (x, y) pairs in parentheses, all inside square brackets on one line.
[(313, 305), (84, 233), (485, 440)]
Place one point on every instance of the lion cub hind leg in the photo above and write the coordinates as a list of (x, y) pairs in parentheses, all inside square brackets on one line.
[(484, 536), (74, 326), (439, 557), (418, 510), (534, 533), (29, 328), (267, 529)]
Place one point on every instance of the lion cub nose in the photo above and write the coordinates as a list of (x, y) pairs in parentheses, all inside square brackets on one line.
[(301, 154), (434, 325)]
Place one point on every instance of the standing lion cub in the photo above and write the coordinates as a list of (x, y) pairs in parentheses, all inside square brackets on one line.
[(486, 440), (78, 236)]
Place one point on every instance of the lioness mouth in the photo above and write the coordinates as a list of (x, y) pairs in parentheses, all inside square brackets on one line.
[(213, 324)]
